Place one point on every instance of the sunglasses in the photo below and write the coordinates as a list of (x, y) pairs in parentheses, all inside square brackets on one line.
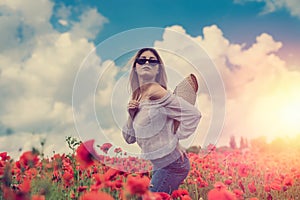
[(142, 61)]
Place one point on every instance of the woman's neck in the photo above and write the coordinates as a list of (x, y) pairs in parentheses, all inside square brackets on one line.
[(144, 85), (144, 88)]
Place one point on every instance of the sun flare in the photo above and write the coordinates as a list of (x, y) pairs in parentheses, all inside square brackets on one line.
[(277, 114), (290, 115)]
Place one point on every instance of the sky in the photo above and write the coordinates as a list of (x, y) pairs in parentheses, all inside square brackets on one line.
[(63, 73)]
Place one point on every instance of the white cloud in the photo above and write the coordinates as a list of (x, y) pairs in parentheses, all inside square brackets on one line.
[(35, 14), (91, 22), (258, 84), (38, 69), (293, 6), (63, 12), (63, 22)]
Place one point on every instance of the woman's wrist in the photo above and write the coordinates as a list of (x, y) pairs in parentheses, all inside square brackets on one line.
[(129, 123)]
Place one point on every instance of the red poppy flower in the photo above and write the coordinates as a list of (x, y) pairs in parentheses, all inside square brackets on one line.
[(164, 196), (85, 153), (243, 170), (99, 179), (137, 185), (251, 187), (267, 188), (228, 181), (211, 147), (38, 197), (68, 178), (96, 196), (288, 181), (180, 193), (241, 185), (118, 150), (105, 147), (110, 174), (275, 186), (28, 159), (24, 187), (82, 188), (238, 193), (219, 185), (4, 156), (220, 193), (8, 193)]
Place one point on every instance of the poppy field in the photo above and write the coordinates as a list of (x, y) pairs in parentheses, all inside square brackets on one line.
[(216, 174)]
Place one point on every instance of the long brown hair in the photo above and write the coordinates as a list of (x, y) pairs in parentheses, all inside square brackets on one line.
[(161, 77)]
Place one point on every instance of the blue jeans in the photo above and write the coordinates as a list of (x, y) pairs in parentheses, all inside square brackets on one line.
[(169, 178)]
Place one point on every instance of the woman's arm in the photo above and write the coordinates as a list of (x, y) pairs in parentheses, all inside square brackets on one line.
[(179, 109), (188, 115), (128, 132)]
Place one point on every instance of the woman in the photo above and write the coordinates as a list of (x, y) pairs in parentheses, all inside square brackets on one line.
[(152, 111)]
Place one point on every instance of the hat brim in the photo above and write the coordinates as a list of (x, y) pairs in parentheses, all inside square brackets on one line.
[(187, 89)]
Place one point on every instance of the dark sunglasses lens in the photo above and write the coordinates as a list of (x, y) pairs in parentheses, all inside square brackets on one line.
[(153, 62), (141, 61)]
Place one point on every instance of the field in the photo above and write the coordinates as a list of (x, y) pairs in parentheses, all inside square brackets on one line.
[(216, 174)]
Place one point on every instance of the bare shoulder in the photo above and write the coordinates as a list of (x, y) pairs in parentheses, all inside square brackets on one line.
[(157, 92)]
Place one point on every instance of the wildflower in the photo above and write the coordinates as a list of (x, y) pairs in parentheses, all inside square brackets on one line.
[(137, 185), (27, 160), (238, 193), (243, 171), (4, 156), (251, 187), (164, 196), (96, 196), (267, 188), (99, 179), (219, 185), (82, 188), (241, 185), (228, 181), (68, 178), (276, 186), (220, 193), (118, 150), (25, 186), (105, 147), (86, 153), (211, 147), (269, 197), (181, 193), (110, 174), (8, 193), (38, 197), (288, 181)]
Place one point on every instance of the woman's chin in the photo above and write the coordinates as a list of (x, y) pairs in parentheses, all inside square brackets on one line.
[(146, 75)]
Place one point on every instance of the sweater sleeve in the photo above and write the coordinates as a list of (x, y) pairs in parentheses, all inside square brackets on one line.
[(128, 134), (179, 109)]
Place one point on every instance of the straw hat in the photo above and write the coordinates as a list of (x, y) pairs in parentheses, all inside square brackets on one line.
[(187, 89)]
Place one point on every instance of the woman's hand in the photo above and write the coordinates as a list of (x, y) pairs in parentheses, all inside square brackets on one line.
[(133, 107)]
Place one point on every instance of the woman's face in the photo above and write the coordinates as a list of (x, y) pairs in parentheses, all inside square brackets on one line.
[(147, 66)]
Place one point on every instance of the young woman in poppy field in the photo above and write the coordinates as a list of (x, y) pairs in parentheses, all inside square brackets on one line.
[(152, 111)]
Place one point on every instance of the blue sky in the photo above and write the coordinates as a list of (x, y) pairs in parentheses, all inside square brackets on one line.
[(241, 22), (254, 45)]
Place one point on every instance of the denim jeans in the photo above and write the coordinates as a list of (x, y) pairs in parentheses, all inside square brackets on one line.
[(169, 178)]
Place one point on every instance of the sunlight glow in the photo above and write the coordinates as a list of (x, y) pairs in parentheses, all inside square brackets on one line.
[(290, 115), (277, 114)]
